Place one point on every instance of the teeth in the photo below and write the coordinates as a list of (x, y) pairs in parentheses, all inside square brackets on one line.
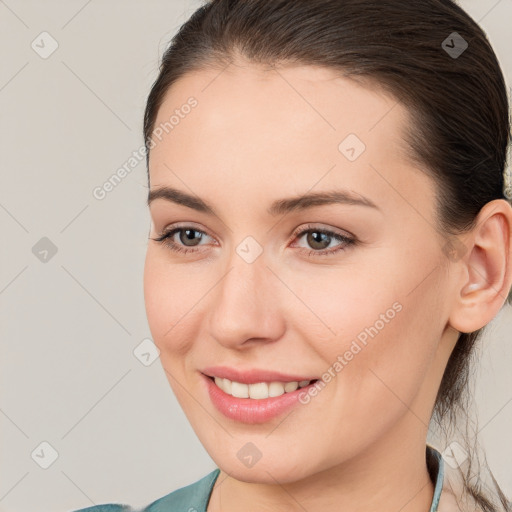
[(258, 390)]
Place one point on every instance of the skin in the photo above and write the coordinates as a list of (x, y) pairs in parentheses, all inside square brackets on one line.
[(261, 134)]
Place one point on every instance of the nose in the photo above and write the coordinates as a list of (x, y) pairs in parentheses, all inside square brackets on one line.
[(245, 306)]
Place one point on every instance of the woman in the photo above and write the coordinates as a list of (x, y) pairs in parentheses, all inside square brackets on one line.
[(331, 230)]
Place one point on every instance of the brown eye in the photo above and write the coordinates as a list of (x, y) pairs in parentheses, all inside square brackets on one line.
[(318, 239), (189, 237)]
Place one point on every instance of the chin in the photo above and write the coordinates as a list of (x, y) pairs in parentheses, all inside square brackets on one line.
[(274, 469)]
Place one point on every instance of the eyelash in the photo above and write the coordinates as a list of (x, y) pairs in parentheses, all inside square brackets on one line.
[(165, 239)]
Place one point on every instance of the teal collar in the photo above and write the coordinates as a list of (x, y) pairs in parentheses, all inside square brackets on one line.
[(438, 471)]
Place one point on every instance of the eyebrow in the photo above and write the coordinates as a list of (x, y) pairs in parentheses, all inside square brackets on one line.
[(278, 207)]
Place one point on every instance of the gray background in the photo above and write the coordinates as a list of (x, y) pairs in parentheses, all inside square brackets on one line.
[(69, 326)]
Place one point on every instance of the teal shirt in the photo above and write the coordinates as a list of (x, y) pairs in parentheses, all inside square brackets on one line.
[(195, 497)]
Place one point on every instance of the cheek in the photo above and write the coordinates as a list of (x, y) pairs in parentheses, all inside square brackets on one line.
[(335, 305), (171, 297), (386, 363), (375, 336)]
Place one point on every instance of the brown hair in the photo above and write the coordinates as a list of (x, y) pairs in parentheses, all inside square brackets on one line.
[(460, 126)]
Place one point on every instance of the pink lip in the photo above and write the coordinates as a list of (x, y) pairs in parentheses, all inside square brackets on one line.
[(251, 376), (249, 410)]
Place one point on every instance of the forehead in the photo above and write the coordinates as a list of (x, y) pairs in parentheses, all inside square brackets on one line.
[(252, 123), (318, 97)]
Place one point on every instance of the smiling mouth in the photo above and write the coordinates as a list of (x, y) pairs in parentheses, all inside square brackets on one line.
[(259, 390)]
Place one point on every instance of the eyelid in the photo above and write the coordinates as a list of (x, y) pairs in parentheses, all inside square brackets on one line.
[(184, 225), (312, 227)]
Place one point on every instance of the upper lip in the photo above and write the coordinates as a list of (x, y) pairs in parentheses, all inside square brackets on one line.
[(252, 375)]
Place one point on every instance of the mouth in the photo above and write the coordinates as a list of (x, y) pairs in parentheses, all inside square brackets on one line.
[(258, 390), (255, 405)]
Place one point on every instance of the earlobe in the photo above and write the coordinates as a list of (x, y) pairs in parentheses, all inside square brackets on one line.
[(487, 276)]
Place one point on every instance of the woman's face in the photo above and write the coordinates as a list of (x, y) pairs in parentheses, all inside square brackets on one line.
[(252, 293)]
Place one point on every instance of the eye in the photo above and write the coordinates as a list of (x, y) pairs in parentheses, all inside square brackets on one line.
[(188, 235), (320, 239), (189, 238)]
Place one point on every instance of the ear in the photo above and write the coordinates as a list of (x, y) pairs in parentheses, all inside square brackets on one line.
[(485, 268)]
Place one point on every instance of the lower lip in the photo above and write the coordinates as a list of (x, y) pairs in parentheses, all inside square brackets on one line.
[(251, 410)]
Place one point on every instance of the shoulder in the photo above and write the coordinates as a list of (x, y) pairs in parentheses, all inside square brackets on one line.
[(193, 497)]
